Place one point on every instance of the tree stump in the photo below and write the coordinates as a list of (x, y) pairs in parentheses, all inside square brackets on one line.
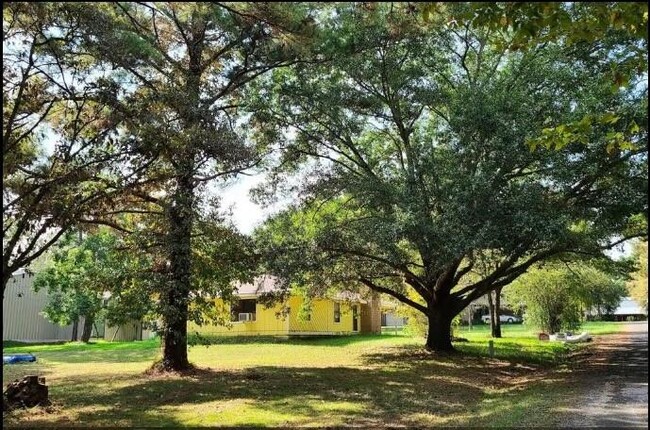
[(25, 393)]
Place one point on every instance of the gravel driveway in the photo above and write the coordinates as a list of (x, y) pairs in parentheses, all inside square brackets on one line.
[(612, 381)]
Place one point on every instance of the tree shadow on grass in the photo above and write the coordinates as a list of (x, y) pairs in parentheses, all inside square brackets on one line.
[(304, 395), (20, 370), (312, 340), (515, 352), (401, 385), (113, 356)]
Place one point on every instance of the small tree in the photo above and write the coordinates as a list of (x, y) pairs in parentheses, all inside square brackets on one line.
[(81, 272), (638, 285), (547, 296), (555, 297), (68, 282), (597, 290)]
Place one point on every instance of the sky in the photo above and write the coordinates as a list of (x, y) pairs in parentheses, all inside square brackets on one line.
[(246, 215)]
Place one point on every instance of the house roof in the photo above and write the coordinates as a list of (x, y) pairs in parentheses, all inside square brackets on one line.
[(269, 284), (629, 306), (260, 285)]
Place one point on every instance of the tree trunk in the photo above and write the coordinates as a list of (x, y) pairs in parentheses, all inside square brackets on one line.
[(492, 312), (181, 216), (75, 330), (496, 328), (439, 334), (495, 313), (175, 301), (6, 276), (88, 328)]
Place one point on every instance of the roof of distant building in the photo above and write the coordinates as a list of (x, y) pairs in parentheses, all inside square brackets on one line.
[(260, 285), (629, 306), (269, 284)]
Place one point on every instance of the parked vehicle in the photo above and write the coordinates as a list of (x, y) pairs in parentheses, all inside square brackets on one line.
[(509, 319)]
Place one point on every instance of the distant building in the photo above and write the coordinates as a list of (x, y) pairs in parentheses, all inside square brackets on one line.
[(343, 313), (21, 313), (22, 318), (629, 309), (389, 316)]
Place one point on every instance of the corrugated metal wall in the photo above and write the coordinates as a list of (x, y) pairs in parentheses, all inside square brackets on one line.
[(126, 332), (21, 314)]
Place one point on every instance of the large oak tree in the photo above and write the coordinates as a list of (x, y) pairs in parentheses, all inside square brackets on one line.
[(414, 168)]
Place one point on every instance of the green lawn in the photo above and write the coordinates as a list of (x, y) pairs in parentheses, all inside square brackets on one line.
[(517, 330), (369, 381)]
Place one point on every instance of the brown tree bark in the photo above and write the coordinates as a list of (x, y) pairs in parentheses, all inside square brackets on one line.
[(181, 217), (496, 329), (439, 333), (491, 310), (88, 328), (75, 330), (494, 303), (175, 301)]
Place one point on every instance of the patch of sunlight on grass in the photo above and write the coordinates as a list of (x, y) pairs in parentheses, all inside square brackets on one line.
[(314, 354), (366, 381), (519, 331), (423, 418), (238, 412), (322, 406)]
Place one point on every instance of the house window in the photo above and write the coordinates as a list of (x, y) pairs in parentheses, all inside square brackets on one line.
[(243, 310), (337, 312)]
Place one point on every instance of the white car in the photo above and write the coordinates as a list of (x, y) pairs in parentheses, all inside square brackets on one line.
[(509, 319)]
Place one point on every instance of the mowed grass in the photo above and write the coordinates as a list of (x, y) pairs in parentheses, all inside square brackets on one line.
[(369, 381), (519, 342)]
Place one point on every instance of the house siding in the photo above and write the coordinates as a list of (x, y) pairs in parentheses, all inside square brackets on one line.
[(371, 315), (265, 324), (322, 317), (269, 322)]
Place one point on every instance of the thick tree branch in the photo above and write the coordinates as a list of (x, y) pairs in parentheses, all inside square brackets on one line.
[(402, 298)]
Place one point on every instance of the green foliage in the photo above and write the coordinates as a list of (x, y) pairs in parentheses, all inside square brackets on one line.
[(548, 300), (174, 74), (638, 285), (556, 296), (408, 156), (598, 290), (410, 145), (83, 273), (56, 156), (526, 27)]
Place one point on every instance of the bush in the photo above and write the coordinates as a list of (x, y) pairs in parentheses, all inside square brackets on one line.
[(548, 298), (555, 297)]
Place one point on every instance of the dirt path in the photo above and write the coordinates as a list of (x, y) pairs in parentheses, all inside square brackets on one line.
[(611, 381)]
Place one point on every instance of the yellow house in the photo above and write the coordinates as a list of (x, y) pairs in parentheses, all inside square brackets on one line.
[(341, 314)]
